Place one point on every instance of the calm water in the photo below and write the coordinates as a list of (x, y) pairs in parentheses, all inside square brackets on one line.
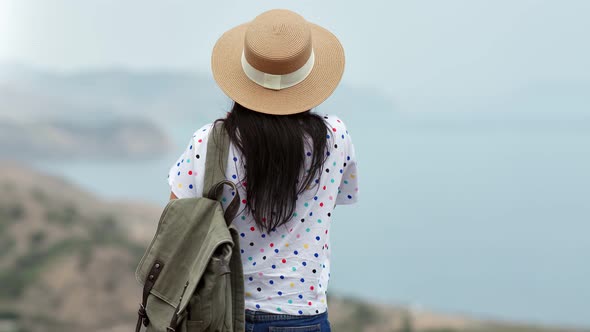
[(493, 223)]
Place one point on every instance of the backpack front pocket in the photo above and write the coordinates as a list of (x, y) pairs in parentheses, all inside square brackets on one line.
[(199, 309), (195, 326), (207, 303)]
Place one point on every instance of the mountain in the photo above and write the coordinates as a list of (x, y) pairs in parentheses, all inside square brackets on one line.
[(166, 96), (54, 128), (153, 95), (67, 262), (117, 112)]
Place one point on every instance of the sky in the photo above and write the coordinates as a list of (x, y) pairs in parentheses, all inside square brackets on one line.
[(409, 50)]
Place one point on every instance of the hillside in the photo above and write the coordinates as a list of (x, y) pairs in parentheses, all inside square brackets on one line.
[(67, 260)]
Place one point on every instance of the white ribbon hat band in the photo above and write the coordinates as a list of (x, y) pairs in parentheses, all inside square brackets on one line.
[(277, 82)]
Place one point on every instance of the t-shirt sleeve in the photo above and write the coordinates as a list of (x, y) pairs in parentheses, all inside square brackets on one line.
[(184, 177), (348, 189)]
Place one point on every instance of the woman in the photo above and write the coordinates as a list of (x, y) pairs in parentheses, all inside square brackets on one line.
[(291, 166)]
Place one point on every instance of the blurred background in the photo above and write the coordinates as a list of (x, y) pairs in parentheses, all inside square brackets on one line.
[(471, 123)]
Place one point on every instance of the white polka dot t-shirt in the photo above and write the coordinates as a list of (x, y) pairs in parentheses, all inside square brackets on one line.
[(287, 271)]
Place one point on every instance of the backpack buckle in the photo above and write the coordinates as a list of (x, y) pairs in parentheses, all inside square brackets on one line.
[(143, 315)]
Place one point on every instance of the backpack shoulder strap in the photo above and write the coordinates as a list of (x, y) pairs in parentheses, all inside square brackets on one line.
[(215, 165), (216, 160)]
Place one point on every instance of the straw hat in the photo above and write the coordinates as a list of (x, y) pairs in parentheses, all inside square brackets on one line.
[(278, 63)]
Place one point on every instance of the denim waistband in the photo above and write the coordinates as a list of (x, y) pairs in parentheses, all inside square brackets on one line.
[(261, 316)]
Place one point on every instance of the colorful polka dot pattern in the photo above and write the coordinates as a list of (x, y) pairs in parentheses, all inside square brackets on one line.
[(287, 271)]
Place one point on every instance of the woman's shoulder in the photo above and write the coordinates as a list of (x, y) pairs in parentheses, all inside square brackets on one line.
[(337, 126), (335, 121), (201, 134), (203, 130)]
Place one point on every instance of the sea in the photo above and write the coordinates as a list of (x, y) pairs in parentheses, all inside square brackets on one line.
[(488, 222)]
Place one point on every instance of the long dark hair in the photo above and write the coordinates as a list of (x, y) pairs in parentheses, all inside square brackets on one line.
[(275, 150)]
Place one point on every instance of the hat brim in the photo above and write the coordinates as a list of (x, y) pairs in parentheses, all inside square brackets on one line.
[(313, 90)]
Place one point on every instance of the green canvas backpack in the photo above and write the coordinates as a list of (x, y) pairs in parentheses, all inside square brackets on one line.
[(191, 272)]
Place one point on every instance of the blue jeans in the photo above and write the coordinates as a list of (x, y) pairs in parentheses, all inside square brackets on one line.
[(258, 321)]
